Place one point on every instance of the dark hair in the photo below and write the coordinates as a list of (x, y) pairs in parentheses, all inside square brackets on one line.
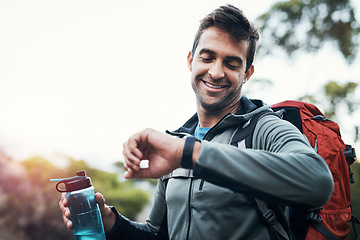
[(233, 21)]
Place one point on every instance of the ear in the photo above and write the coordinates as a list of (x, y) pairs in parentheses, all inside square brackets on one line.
[(189, 60), (249, 73)]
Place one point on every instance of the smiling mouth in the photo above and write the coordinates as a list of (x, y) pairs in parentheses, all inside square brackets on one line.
[(213, 86)]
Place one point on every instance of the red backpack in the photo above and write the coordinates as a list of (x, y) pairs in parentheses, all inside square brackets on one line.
[(324, 136), (324, 222)]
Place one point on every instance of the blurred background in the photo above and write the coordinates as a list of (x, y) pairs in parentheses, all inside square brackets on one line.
[(78, 78)]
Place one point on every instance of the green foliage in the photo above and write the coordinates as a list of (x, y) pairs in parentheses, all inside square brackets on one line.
[(336, 95), (120, 167), (308, 24), (29, 205), (29, 201)]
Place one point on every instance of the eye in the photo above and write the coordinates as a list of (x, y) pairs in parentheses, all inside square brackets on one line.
[(206, 59), (232, 66)]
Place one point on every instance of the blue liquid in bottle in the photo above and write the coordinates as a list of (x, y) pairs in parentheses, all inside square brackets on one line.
[(85, 215)]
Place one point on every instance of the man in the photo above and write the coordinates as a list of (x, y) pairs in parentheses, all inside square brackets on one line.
[(204, 183)]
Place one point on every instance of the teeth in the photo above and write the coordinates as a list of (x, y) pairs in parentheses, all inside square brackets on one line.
[(213, 86)]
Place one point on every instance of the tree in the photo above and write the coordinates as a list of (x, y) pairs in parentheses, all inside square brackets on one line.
[(337, 96), (307, 24), (29, 202)]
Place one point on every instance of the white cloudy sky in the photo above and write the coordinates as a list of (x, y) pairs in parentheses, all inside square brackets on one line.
[(79, 77)]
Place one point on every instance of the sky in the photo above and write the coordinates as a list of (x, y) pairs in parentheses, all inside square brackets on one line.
[(78, 78)]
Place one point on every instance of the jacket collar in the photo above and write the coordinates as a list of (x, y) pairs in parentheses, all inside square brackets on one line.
[(249, 107)]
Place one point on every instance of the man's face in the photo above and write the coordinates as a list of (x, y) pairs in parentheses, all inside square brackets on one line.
[(218, 71)]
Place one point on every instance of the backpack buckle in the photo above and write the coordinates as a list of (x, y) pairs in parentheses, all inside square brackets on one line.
[(270, 217), (313, 215), (350, 154)]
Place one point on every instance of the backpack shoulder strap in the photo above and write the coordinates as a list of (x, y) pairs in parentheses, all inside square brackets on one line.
[(271, 219), (245, 132), (324, 231), (242, 138)]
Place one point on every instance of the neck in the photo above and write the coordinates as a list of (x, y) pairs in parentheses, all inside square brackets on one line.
[(210, 118)]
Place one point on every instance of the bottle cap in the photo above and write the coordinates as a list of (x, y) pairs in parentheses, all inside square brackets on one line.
[(80, 181)]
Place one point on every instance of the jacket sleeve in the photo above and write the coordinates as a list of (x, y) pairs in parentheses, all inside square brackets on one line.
[(280, 168), (155, 227)]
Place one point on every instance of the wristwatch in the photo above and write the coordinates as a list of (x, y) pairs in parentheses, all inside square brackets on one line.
[(186, 159)]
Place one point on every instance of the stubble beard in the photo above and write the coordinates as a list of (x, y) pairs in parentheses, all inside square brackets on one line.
[(228, 101)]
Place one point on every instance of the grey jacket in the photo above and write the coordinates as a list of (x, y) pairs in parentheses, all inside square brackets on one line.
[(208, 202)]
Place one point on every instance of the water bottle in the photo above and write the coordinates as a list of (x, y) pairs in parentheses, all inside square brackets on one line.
[(84, 210)]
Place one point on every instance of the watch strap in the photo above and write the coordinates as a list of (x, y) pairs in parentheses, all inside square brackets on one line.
[(186, 159)]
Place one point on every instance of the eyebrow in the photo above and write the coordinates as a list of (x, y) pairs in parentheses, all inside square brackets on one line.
[(233, 58), (206, 50)]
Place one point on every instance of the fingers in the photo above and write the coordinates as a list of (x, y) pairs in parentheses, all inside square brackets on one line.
[(161, 150), (101, 201), (65, 211), (132, 154), (104, 209), (107, 214), (130, 174)]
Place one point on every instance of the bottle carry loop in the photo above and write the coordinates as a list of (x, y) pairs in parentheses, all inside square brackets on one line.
[(80, 181)]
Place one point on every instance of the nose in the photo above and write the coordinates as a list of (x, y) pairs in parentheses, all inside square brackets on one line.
[(216, 70)]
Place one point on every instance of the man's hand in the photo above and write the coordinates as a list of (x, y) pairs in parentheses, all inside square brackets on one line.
[(108, 217), (163, 151)]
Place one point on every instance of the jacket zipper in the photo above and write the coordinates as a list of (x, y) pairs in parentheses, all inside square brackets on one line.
[(189, 205), (191, 180), (202, 180)]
